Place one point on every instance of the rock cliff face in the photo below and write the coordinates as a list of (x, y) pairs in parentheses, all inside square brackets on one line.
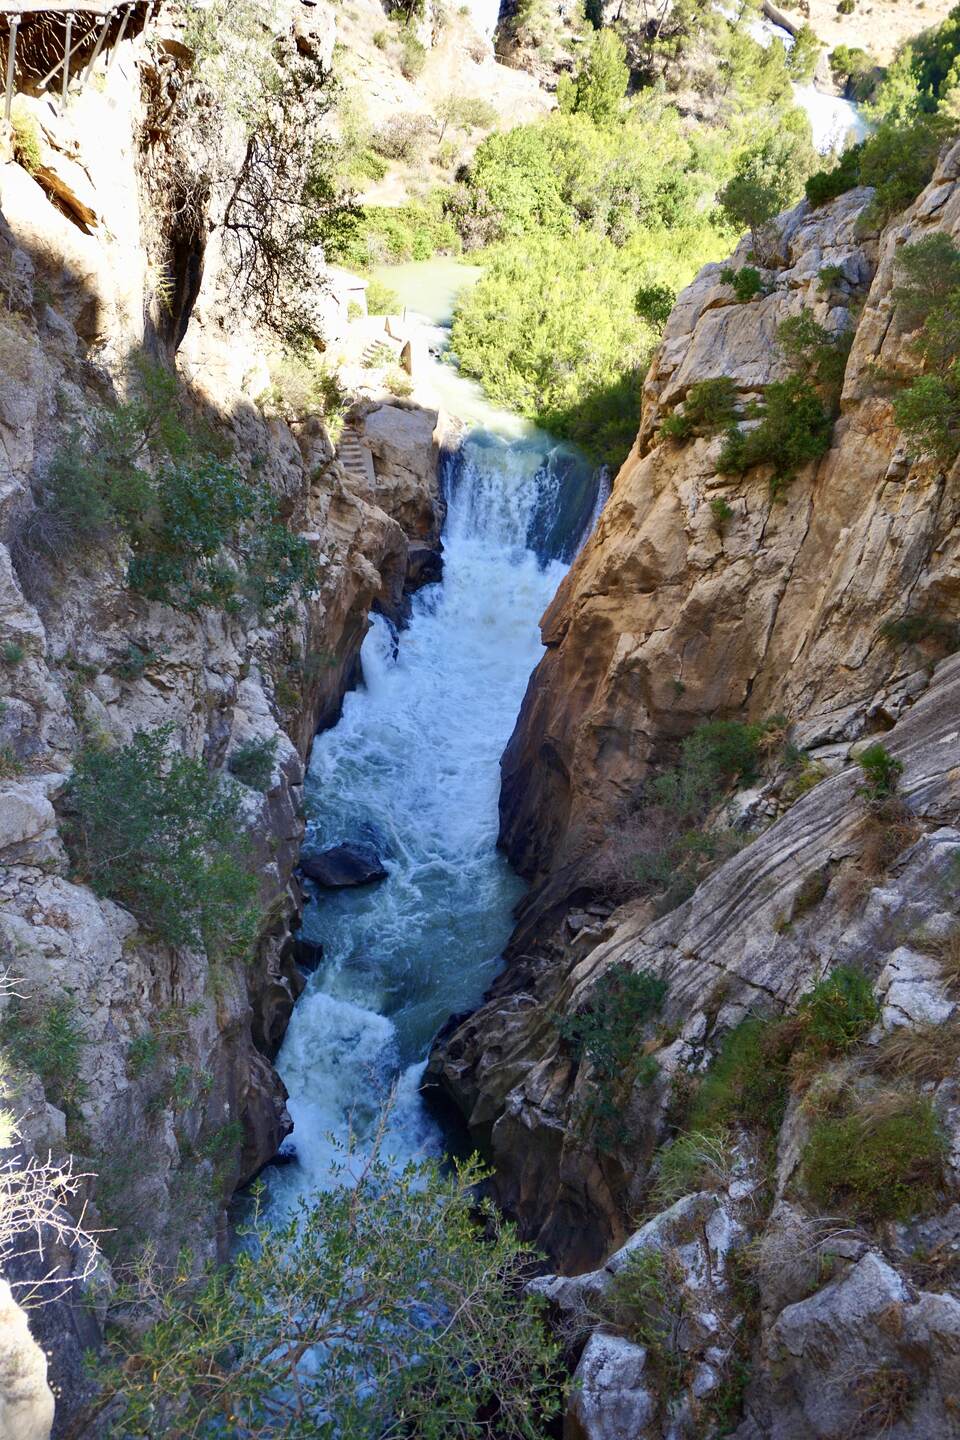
[(78, 268), (668, 618)]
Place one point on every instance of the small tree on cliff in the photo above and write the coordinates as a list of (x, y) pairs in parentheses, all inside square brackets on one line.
[(601, 82), (768, 177), (377, 1308)]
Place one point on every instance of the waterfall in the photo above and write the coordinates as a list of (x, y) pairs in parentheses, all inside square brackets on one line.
[(413, 766)]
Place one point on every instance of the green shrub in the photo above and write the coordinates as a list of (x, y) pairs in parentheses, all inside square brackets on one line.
[(747, 282), (654, 304), (694, 1160), (708, 406), (47, 1038), (381, 300), (837, 1013), (161, 835), (645, 1299), (381, 39), (769, 176), (748, 1082), (882, 1162), (135, 663), (253, 762), (181, 521), (725, 750), (606, 1033), (374, 1300), (12, 652), (144, 1054), (803, 56), (928, 413), (881, 773), (914, 629), (828, 278), (601, 81), (846, 7), (26, 140), (817, 353), (826, 185), (413, 57), (720, 511), (899, 160), (795, 428)]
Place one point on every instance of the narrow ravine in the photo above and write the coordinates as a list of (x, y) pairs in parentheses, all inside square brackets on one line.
[(413, 766)]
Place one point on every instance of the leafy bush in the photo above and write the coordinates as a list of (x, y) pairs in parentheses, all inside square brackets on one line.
[(601, 81), (746, 282), (161, 835), (769, 176), (26, 140), (654, 304), (881, 1162), (708, 406), (413, 57), (252, 763), (381, 300), (803, 55), (606, 1033), (914, 629), (12, 652), (721, 511), (401, 137), (837, 1013), (881, 772), (548, 346), (46, 1037), (899, 160), (794, 429), (182, 520), (846, 7), (747, 1082), (374, 1300), (645, 1299), (826, 185), (818, 353)]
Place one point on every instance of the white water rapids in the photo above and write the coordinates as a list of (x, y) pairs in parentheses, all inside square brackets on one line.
[(413, 766)]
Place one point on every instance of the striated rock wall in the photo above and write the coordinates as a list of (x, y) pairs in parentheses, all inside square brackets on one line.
[(755, 1309), (667, 618)]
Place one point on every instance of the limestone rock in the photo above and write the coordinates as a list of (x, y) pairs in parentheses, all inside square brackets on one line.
[(610, 1398), (26, 1401)]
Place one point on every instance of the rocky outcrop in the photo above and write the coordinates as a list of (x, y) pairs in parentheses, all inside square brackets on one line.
[(83, 655), (26, 1401), (668, 618)]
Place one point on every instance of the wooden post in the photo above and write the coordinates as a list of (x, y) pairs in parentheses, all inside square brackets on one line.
[(68, 37), (11, 63)]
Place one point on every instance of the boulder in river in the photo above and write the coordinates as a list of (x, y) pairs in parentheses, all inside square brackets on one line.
[(355, 863)]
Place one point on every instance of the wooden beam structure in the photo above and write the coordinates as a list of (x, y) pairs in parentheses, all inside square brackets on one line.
[(44, 42)]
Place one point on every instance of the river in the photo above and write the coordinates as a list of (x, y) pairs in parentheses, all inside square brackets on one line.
[(413, 765)]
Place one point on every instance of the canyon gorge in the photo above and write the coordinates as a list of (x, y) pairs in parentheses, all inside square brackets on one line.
[(320, 550)]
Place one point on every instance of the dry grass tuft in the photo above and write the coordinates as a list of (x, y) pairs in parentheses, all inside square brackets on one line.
[(922, 1054)]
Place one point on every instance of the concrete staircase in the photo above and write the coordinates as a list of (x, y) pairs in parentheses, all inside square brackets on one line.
[(355, 457)]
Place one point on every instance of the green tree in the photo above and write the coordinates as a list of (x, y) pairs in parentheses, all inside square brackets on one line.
[(601, 81), (803, 55), (378, 1308), (161, 835), (768, 177)]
